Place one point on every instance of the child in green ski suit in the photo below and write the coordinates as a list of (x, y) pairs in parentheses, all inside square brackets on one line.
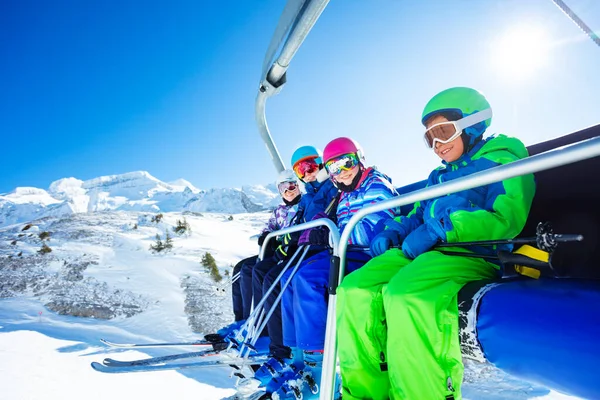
[(397, 316)]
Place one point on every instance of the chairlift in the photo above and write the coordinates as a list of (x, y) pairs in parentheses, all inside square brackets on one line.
[(566, 171)]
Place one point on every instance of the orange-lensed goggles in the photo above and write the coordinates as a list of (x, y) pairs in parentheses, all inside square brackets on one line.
[(305, 167), (445, 132)]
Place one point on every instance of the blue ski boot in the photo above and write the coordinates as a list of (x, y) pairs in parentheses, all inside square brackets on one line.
[(224, 332), (305, 383)]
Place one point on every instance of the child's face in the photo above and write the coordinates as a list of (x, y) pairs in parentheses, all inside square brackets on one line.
[(307, 170), (346, 177), (290, 195), (448, 152), (310, 176)]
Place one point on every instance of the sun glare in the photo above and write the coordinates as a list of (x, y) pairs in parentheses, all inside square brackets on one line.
[(520, 53)]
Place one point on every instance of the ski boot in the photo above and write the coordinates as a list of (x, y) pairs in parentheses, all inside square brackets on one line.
[(224, 332), (305, 382)]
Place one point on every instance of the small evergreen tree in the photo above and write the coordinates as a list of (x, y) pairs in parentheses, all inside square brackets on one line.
[(182, 227), (157, 218), (211, 266), (158, 245), (44, 235), (45, 249), (230, 218), (135, 226), (168, 241)]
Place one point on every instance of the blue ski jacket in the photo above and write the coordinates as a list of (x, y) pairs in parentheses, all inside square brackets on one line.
[(375, 187), (495, 211), (318, 196)]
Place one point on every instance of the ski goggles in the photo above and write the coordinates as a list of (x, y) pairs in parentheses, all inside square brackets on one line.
[(445, 132), (287, 187), (345, 162), (305, 167)]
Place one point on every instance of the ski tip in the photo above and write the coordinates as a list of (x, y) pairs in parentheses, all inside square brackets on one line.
[(97, 366)]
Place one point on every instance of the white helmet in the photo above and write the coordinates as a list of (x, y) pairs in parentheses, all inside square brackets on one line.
[(287, 175)]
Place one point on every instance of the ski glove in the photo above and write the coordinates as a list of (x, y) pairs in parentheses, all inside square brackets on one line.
[(423, 238), (314, 236), (280, 254), (386, 238), (262, 237), (291, 239), (384, 241)]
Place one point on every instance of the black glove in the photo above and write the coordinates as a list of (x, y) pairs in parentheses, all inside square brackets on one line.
[(280, 254), (319, 237), (291, 239), (262, 237)]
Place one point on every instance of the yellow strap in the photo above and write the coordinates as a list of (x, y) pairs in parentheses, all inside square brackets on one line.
[(533, 252), (528, 271)]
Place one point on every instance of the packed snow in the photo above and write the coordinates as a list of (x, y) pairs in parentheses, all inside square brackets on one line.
[(101, 281)]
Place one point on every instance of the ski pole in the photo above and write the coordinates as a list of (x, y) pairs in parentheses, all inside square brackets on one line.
[(262, 320), (250, 322), (545, 239), (223, 286), (558, 238)]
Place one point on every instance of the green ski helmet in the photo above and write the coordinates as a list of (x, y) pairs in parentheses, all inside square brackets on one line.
[(463, 100)]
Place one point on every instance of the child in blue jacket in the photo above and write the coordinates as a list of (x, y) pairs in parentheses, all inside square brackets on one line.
[(304, 301)]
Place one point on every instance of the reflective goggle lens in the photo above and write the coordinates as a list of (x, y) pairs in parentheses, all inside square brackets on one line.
[(287, 186), (443, 132), (346, 162), (305, 167)]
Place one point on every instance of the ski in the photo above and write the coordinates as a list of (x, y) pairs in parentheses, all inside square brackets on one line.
[(233, 362), (254, 396), (109, 362), (167, 344)]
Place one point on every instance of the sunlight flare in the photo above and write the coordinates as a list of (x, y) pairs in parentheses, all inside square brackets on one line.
[(520, 52)]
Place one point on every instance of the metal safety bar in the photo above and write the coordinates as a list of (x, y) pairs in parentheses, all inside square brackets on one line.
[(250, 325), (551, 159), (334, 234)]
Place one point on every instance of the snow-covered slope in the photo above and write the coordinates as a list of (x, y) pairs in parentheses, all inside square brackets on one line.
[(133, 191), (100, 269)]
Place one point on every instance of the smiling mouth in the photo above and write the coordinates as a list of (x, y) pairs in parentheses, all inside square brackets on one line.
[(445, 151)]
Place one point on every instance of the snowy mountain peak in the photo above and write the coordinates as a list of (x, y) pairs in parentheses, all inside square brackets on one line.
[(182, 183), (132, 191)]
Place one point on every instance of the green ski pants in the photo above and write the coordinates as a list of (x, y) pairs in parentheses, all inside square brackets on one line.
[(397, 326)]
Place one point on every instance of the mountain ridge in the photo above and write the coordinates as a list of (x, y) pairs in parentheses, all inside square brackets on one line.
[(131, 191)]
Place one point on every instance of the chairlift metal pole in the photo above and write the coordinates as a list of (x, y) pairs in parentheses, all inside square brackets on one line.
[(551, 159), (577, 21), (273, 80)]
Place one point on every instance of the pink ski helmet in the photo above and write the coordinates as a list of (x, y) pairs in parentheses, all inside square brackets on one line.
[(340, 146)]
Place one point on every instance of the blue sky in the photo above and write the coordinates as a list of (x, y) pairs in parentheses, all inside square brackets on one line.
[(99, 88)]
